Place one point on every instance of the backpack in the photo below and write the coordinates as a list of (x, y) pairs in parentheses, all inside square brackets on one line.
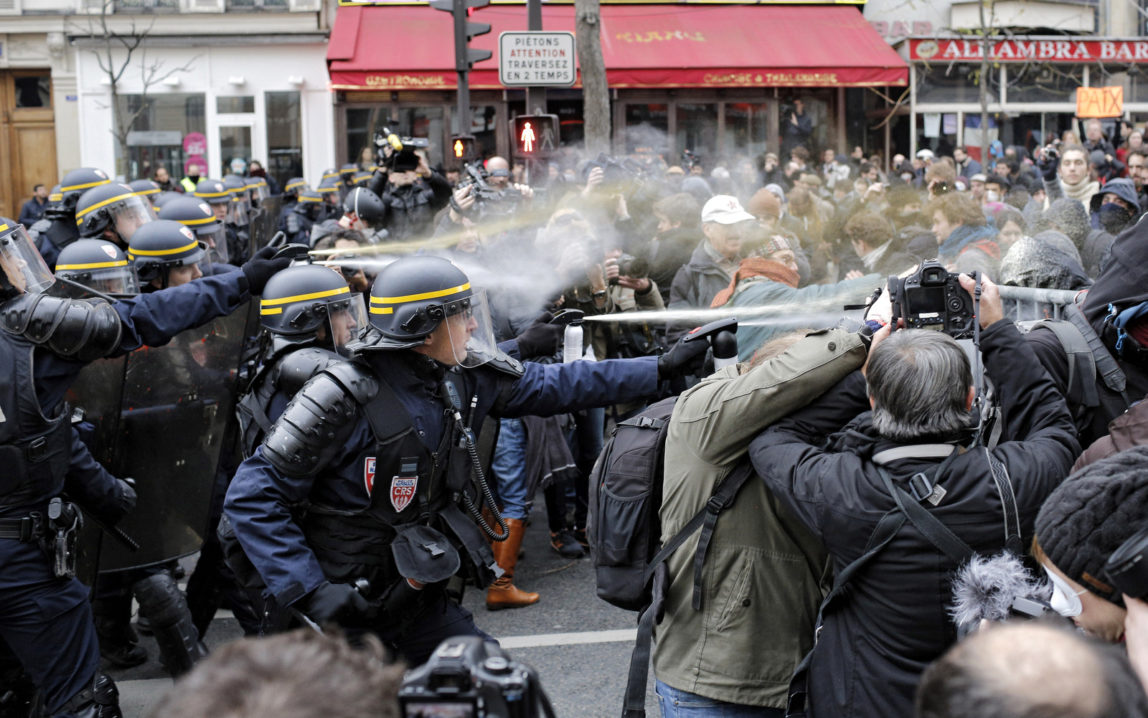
[(625, 530)]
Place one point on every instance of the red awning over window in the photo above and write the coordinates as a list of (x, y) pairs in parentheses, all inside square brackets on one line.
[(644, 46)]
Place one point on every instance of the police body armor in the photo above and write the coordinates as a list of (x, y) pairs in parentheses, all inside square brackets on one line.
[(34, 449), (53, 233)]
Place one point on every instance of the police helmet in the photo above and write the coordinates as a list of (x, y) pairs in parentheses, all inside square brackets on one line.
[(240, 200), (213, 191), (22, 269), (112, 206), (329, 174), (76, 182), (145, 187), (98, 264), (347, 171), (257, 189), (412, 296), (159, 201), (293, 186), (197, 215), (54, 208), (329, 186), (163, 245), (299, 300), (366, 205), (362, 178)]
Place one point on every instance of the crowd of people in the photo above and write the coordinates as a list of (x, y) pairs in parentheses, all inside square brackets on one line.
[(398, 416)]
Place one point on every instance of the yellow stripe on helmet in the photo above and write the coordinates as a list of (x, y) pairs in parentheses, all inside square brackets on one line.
[(105, 203), (93, 265), (304, 297), (202, 220), (382, 310), (84, 186), (133, 253), (420, 297), (273, 310)]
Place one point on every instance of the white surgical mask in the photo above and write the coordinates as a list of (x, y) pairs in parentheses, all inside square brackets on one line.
[(1065, 601), (991, 195)]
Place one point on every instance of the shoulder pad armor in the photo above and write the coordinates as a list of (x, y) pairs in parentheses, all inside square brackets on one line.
[(306, 436), (84, 330), (506, 364), (297, 368)]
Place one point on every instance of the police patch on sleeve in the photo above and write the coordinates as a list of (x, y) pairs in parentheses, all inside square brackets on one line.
[(369, 474)]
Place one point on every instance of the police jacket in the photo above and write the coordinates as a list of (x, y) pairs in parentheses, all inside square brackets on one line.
[(365, 485), (52, 234), (893, 621)]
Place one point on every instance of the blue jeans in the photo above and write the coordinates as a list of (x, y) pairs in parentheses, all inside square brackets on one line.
[(509, 468), (675, 703)]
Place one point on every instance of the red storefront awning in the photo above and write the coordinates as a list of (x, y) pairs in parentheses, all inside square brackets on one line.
[(644, 46)]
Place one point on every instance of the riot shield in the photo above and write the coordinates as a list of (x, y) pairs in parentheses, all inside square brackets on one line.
[(257, 229), (271, 209), (177, 402)]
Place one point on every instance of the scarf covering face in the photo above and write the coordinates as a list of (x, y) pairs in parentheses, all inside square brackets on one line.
[(756, 267)]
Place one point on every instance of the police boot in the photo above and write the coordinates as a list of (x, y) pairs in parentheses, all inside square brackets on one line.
[(502, 593), (118, 642), (99, 700), (164, 605)]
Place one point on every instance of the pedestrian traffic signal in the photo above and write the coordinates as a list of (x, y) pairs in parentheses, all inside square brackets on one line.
[(462, 147), (464, 55), (535, 136)]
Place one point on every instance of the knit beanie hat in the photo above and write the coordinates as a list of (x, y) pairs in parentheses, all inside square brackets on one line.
[(1091, 514)]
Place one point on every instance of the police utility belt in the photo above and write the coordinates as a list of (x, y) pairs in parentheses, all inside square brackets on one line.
[(56, 531)]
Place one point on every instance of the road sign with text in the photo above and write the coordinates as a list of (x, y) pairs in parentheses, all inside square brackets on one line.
[(537, 59)]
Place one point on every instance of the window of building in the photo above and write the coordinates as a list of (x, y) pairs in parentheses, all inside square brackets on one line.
[(955, 83), (745, 129), (165, 130), (132, 6), (234, 105), (257, 4), (33, 90), (284, 136), (697, 129), (647, 128), (1043, 83)]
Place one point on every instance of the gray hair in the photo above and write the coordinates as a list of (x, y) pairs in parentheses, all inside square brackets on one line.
[(919, 380)]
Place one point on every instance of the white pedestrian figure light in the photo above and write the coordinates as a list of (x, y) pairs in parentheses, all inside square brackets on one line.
[(527, 138)]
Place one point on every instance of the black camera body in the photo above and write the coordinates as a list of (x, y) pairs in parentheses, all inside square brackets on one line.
[(631, 266), (489, 201), (1127, 567), (468, 677), (933, 298)]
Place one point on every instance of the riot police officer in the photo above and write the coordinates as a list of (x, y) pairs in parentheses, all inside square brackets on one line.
[(328, 189), (362, 211), (113, 212), (45, 619), (307, 211), (197, 215), (290, 196), (238, 217), (166, 254), (60, 215), (382, 450)]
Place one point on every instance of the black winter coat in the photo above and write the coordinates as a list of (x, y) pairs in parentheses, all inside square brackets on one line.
[(880, 636)]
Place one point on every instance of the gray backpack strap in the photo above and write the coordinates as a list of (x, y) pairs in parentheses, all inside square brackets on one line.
[(1106, 364)]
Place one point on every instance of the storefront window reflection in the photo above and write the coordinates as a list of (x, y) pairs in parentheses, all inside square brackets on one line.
[(697, 129), (284, 136), (647, 126), (168, 129), (745, 129), (1044, 83), (954, 83)]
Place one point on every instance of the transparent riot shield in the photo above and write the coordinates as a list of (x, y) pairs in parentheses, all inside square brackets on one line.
[(271, 208), (257, 229), (177, 402)]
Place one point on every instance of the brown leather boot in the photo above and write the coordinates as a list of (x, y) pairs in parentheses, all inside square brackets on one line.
[(502, 593)]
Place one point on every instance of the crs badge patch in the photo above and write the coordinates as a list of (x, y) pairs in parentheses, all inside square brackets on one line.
[(369, 474), (403, 491)]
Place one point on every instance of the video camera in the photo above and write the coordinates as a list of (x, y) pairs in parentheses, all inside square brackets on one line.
[(388, 144), (933, 298), (467, 677)]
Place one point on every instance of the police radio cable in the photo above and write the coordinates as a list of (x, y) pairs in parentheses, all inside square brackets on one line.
[(454, 404)]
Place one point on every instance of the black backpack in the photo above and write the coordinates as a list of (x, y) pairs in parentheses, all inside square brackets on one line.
[(625, 531)]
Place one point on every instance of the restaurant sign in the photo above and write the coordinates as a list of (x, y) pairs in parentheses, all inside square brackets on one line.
[(1029, 49)]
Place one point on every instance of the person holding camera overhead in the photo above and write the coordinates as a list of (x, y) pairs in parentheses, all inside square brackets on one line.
[(864, 493)]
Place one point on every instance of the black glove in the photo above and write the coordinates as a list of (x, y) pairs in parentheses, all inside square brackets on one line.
[(1048, 163), (682, 358), (262, 267), (540, 338), (339, 603)]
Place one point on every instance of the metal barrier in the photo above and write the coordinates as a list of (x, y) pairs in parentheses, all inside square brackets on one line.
[(1028, 304)]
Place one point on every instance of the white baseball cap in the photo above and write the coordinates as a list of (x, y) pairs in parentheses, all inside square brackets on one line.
[(925, 154), (725, 209)]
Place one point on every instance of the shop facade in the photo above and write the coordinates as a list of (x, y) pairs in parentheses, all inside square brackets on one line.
[(713, 79), (1032, 84)]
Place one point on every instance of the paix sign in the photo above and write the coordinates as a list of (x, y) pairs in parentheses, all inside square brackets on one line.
[(1029, 49)]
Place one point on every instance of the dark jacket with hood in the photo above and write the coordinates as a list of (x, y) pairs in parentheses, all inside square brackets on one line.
[(697, 283), (669, 252), (876, 641), (1123, 283), (1112, 218)]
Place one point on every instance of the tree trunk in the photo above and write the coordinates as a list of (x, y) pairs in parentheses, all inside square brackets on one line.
[(985, 69), (595, 92)]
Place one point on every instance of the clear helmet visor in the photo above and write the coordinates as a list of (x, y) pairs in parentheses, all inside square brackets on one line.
[(238, 209), (23, 267), (130, 215), (188, 269), (116, 281), (346, 320), (215, 238), (470, 330)]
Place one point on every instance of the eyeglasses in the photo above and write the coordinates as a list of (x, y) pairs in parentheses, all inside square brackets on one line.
[(1065, 601)]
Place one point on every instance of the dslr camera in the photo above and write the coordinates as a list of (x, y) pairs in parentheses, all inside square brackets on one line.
[(467, 677), (631, 266), (488, 200), (932, 298)]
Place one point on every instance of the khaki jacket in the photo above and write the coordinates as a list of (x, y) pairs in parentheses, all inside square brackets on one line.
[(765, 573)]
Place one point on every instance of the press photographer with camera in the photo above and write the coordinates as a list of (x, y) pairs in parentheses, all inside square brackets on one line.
[(911, 454)]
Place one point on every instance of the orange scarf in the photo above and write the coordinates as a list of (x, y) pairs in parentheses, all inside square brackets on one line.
[(756, 267)]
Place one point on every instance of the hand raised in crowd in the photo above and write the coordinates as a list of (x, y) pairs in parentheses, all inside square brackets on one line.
[(614, 276), (854, 274), (593, 180), (524, 190), (991, 310), (464, 199)]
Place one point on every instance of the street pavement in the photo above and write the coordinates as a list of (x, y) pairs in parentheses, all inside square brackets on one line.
[(579, 644)]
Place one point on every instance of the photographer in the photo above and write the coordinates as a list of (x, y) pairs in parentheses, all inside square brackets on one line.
[(873, 647), (796, 127), (413, 194)]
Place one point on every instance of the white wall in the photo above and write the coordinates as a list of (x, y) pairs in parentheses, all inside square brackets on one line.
[(263, 68)]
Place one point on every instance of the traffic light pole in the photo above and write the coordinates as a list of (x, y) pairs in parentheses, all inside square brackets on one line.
[(535, 96), (464, 56)]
